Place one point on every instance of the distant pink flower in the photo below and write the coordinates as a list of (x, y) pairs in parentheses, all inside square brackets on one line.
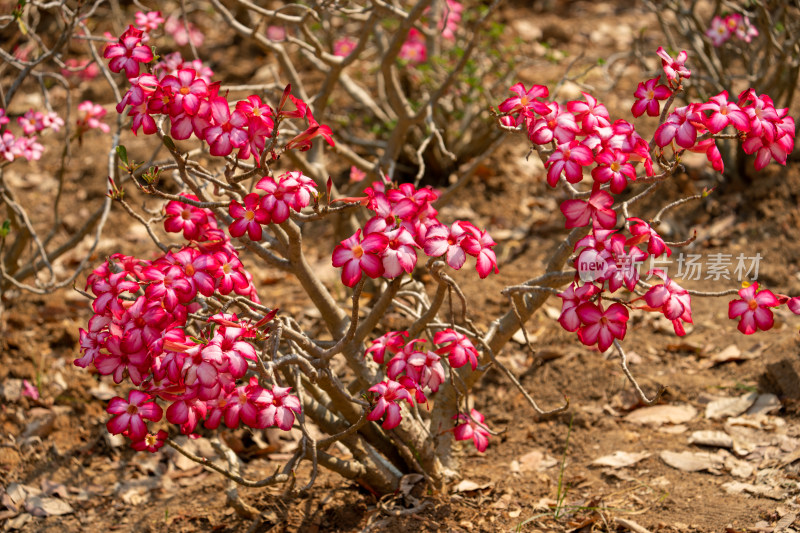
[(390, 393), (177, 28), (132, 413), (472, 427), (89, 117), (648, 94), (718, 32), (7, 146), (356, 174), (413, 49), (149, 21), (30, 390), (276, 33), (601, 326), (344, 46), (752, 310), (451, 16), (674, 67), (3, 117)]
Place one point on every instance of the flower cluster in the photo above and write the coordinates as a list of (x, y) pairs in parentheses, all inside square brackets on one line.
[(583, 137), (415, 49), (290, 191), (406, 221), (139, 331), (89, 118), (183, 92), (26, 146), (734, 24), (411, 370)]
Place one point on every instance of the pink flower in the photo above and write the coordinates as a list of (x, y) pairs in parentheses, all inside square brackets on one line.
[(227, 130), (128, 53), (30, 390), (229, 274), (613, 167), (479, 244), (643, 232), (184, 218), (152, 443), (472, 427), (718, 32), (682, 126), (426, 369), (590, 113), (752, 310), (283, 408), (89, 117), (177, 28), (598, 209), (672, 300), (248, 218), (8, 146), (648, 94), (600, 326), (724, 113), (559, 124), (390, 393), (458, 348), (356, 174), (359, 256), (413, 49), (526, 103), (709, 147), (187, 91), (392, 341), (400, 254), (448, 241), (276, 33), (344, 46), (674, 68), (571, 298), (131, 414), (149, 21), (568, 158)]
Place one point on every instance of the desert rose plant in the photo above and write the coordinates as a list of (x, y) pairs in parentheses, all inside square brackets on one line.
[(248, 180)]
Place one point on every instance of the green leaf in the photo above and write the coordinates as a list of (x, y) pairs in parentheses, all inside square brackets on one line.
[(5, 228), (122, 152)]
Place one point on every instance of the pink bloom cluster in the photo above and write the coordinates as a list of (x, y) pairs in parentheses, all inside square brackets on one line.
[(85, 69), (290, 191), (138, 331), (734, 24), (415, 51), (472, 427), (195, 107), (410, 370), (177, 29), (89, 118), (405, 221), (26, 145), (582, 136)]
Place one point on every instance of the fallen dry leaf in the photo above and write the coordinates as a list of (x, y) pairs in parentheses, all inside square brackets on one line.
[(536, 461), (620, 459), (39, 506), (469, 486), (737, 487), (717, 439), (725, 407), (662, 414), (693, 461), (765, 404)]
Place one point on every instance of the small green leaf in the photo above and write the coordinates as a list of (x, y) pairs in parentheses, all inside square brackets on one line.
[(5, 228), (123, 154)]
